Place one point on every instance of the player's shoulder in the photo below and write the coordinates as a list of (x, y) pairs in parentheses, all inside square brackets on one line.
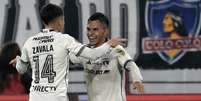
[(64, 36)]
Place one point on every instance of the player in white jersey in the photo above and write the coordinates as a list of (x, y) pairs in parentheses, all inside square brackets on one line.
[(105, 76), (47, 53)]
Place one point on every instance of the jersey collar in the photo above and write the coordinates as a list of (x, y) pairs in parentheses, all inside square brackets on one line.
[(47, 30)]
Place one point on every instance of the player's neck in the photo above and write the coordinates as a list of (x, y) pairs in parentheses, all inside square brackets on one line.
[(52, 27), (100, 43)]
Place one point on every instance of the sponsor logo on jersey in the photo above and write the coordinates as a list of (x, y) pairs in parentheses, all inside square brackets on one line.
[(40, 88), (173, 27)]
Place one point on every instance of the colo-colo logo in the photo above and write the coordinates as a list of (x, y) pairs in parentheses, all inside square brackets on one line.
[(173, 27)]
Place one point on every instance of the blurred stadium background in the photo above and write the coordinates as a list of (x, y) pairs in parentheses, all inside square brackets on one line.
[(141, 22)]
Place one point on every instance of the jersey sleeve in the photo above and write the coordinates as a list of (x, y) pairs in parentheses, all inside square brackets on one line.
[(134, 72), (23, 61), (127, 63), (74, 59), (81, 50)]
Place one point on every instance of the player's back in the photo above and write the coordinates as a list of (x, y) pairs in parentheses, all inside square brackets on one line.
[(49, 58)]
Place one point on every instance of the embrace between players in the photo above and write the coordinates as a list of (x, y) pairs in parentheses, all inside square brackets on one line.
[(105, 61)]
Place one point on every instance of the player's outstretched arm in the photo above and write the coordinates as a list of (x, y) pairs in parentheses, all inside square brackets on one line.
[(101, 50), (136, 77), (20, 66), (21, 62), (134, 72)]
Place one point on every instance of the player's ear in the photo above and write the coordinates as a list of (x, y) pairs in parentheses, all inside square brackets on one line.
[(107, 31), (59, 22)]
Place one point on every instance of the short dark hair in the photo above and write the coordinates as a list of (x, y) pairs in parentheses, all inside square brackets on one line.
[(101, 17), (49, 12)]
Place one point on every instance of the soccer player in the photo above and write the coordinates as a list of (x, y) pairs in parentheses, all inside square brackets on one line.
[(105, 76), (47, 53)]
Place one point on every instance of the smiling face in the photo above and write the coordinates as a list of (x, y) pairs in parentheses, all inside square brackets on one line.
[(96, 32), (168, 24)]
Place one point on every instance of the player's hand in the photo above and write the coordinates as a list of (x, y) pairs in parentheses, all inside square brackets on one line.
[(139, 87), (13, 62), (117, 41)]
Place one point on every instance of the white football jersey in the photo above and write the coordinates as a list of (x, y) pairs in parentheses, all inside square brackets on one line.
[(105, 76), (47, 53)]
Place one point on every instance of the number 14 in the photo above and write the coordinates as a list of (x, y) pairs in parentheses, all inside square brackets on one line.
[(47, 70)]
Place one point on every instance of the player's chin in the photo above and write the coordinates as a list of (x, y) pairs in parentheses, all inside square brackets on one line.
[(92, 42)]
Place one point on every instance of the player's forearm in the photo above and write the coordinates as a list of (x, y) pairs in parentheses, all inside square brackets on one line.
[(21, 66), (95, 52), (134, 72)]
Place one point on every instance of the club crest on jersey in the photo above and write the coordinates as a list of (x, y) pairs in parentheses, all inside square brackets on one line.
[(173, 27)]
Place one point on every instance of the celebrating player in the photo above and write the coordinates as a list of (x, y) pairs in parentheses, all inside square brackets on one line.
[(105, 76), (47, 53)]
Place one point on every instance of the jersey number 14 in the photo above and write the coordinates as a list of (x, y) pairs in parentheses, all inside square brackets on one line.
[(47, 70)]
